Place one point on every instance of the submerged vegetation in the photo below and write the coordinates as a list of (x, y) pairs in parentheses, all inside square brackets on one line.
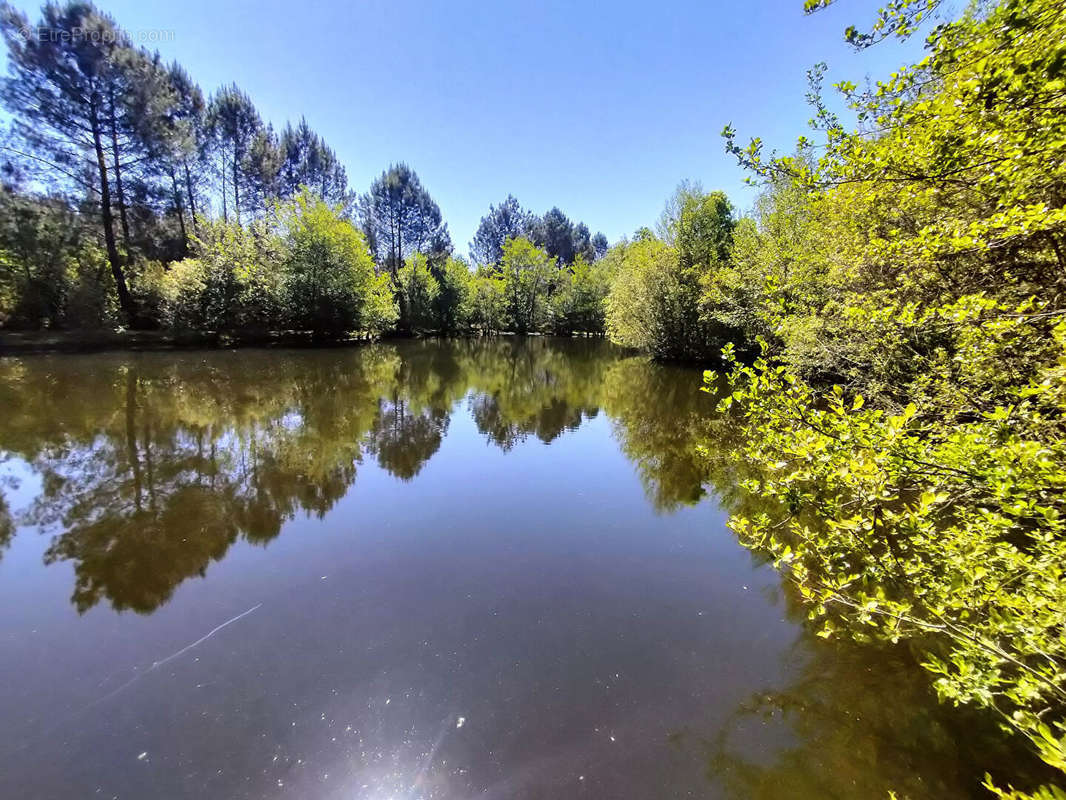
[(887, 325)]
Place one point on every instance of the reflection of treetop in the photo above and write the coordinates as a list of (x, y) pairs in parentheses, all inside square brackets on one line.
[(153, 465)]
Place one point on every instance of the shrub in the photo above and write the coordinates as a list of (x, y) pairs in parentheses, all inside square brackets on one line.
[(328, 282)]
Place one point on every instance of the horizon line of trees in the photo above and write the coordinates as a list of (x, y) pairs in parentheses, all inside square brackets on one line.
[(117, 167)]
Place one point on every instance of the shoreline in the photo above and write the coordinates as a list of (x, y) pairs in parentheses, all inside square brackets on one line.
[(80, 342), (74, 342)]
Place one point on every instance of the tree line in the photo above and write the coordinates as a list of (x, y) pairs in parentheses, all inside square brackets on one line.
[(129, 197)]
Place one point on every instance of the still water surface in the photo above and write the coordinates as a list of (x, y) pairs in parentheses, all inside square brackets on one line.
[(489, 569)]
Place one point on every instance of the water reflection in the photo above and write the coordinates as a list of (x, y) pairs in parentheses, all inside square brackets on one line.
[(854, 722), (152, 465), (7, 524), (659, 421), (594, 645)]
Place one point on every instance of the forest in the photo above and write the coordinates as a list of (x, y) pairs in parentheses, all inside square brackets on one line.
[(130, 199), (885, 329)]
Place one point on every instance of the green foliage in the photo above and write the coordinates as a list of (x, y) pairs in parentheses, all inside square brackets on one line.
[(907, 526), (400, 219), (183, 292), (960, 178), (579, 298), (899, 18), (91, 301), (128, 143), (417, 291), (328, 284), (700, 225), (528, 275), (1041, 793), (232, 284), (306, 160), (52, 271), (563, 239), (489, 313), (776, 271), (641, 305), (304, 267), (137, 158), (502, 222), (916, 266), (110, 128), (655, 303), (232, 126), (454, 302)]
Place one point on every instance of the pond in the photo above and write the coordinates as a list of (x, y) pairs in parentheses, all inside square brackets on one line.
[(491, 568)]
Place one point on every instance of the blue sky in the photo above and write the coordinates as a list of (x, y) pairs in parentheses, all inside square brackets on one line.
[(599, 108)]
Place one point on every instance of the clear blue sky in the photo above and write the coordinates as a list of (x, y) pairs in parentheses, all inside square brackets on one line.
[(599, 108)]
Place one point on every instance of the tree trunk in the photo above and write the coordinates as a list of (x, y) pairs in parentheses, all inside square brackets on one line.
[(118, 176), (225, 214), (236, 191), (149, 469), (124, 299), (131, 434), (188, 191), (181, 212)]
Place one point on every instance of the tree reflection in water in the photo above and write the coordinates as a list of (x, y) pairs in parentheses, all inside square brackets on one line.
[(7, 524), (152, 465)]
